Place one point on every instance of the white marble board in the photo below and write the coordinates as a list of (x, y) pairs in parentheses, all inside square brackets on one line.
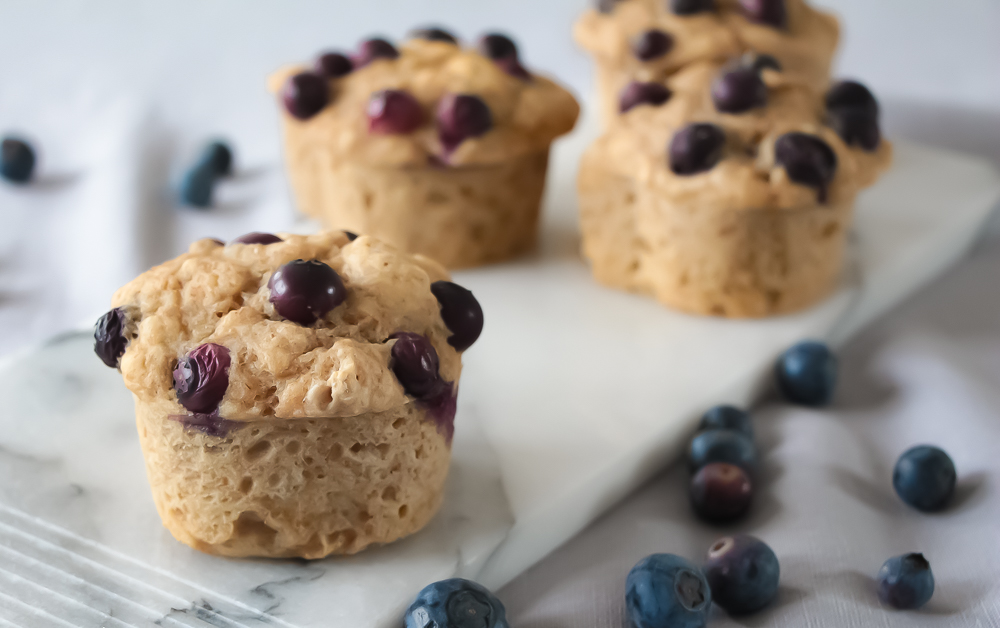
[(573, 396)]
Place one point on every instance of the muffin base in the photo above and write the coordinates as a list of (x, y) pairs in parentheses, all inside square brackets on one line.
[(462, 216), (295, 487), (746, 263)]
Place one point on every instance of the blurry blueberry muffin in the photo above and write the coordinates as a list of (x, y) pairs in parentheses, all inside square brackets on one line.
[(648, 40), (295, 395), (734, 197), (432, 147)]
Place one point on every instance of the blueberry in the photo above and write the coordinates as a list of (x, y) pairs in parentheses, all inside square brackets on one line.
[(415, 363), (456, 603), (333, 65), (726, 446), (17, 160), (856, 127), (636, 93), (759, 62), (743, 573), (305, 94), (770, 12), (218, 157), (652, 44), (372, 49), (906, 582), (727, 418), (433, 33), (667, 591), (807, 373), (925, 478), (696, 148), (720, 492), (460, 311), (690, 7), (851, 95), (110, 340), (808, 160), (607, 6), (394, 112), (461, 116), (738, 91), (351, 235), (256, 237), (503, 51), (197, 185), (201, 378), (304, 291)]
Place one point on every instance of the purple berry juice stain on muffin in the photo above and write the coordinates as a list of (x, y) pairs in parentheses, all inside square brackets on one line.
[(208, 424), (416, 365), (202, 377), (441, 407)]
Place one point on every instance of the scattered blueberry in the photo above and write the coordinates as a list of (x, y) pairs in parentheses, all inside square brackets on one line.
[(727, 418), (218, 156), (256, 237), (743, 573), (394, 112), (197, 186), (636, 93), (807, 373), (456, 603), (304, 291), (460, 311), (461, 116), (925, 478), (17, 160), (667, 591), (652, 44), (372, 49), (201, 378), (726, 446), (851, 95), (906, 582), (696, 148), (333, 65), (415, 363), (759, 62), (109, 337), (305, 94), (770, 12), (738, 91), (808, 160), (720, 492), (690, 7), (351, 235), (433, 33), (856, 127)]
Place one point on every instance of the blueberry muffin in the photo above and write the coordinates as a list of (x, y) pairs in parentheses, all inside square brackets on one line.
[(295, 395), (648, 40), (734, 197), (432, 147)]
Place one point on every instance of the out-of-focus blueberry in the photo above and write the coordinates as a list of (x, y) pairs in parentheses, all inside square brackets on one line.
[(906, 582), (743, 573), (197, 186), (807, 374), (256, 237), (720, 492), (925, 478), (726, 446), (727, 418), (17, 160)]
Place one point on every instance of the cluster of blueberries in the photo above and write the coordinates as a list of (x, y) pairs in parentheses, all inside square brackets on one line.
[(769, 12)]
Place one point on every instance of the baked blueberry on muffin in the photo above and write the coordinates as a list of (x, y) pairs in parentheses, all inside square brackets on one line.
[(432, 147), (295, 395), (734, 197), (648, 40)]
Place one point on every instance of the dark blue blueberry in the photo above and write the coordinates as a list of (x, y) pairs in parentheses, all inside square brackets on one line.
[(197, 185), (852, 95), (690, 7), (696, 148), (722, 446), (925, 478), (743, 573), (456, 603), (807, 374), (394, 112), (110, 336), (727, 418), (720, 492), (256, 237), (460, 312), (351, 235), (305, 291), (461, 116), (305, 94), (202, 377), (738, 91), (503, 51), (770, 12), (218, 157), (333, 65), (636, 93), (856, 127), (415, 363), (906, 582), (433, 33), (17, 160), (808, 160), (372, 49), (667, 591), (652, 44), (759, 62)]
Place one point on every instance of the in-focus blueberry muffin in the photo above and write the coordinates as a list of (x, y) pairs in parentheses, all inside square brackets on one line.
[(734, 197), (435, 148), (648, 40), (295, 395)]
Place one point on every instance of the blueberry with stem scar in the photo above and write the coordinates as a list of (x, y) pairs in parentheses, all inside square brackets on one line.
[(667, 591)]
